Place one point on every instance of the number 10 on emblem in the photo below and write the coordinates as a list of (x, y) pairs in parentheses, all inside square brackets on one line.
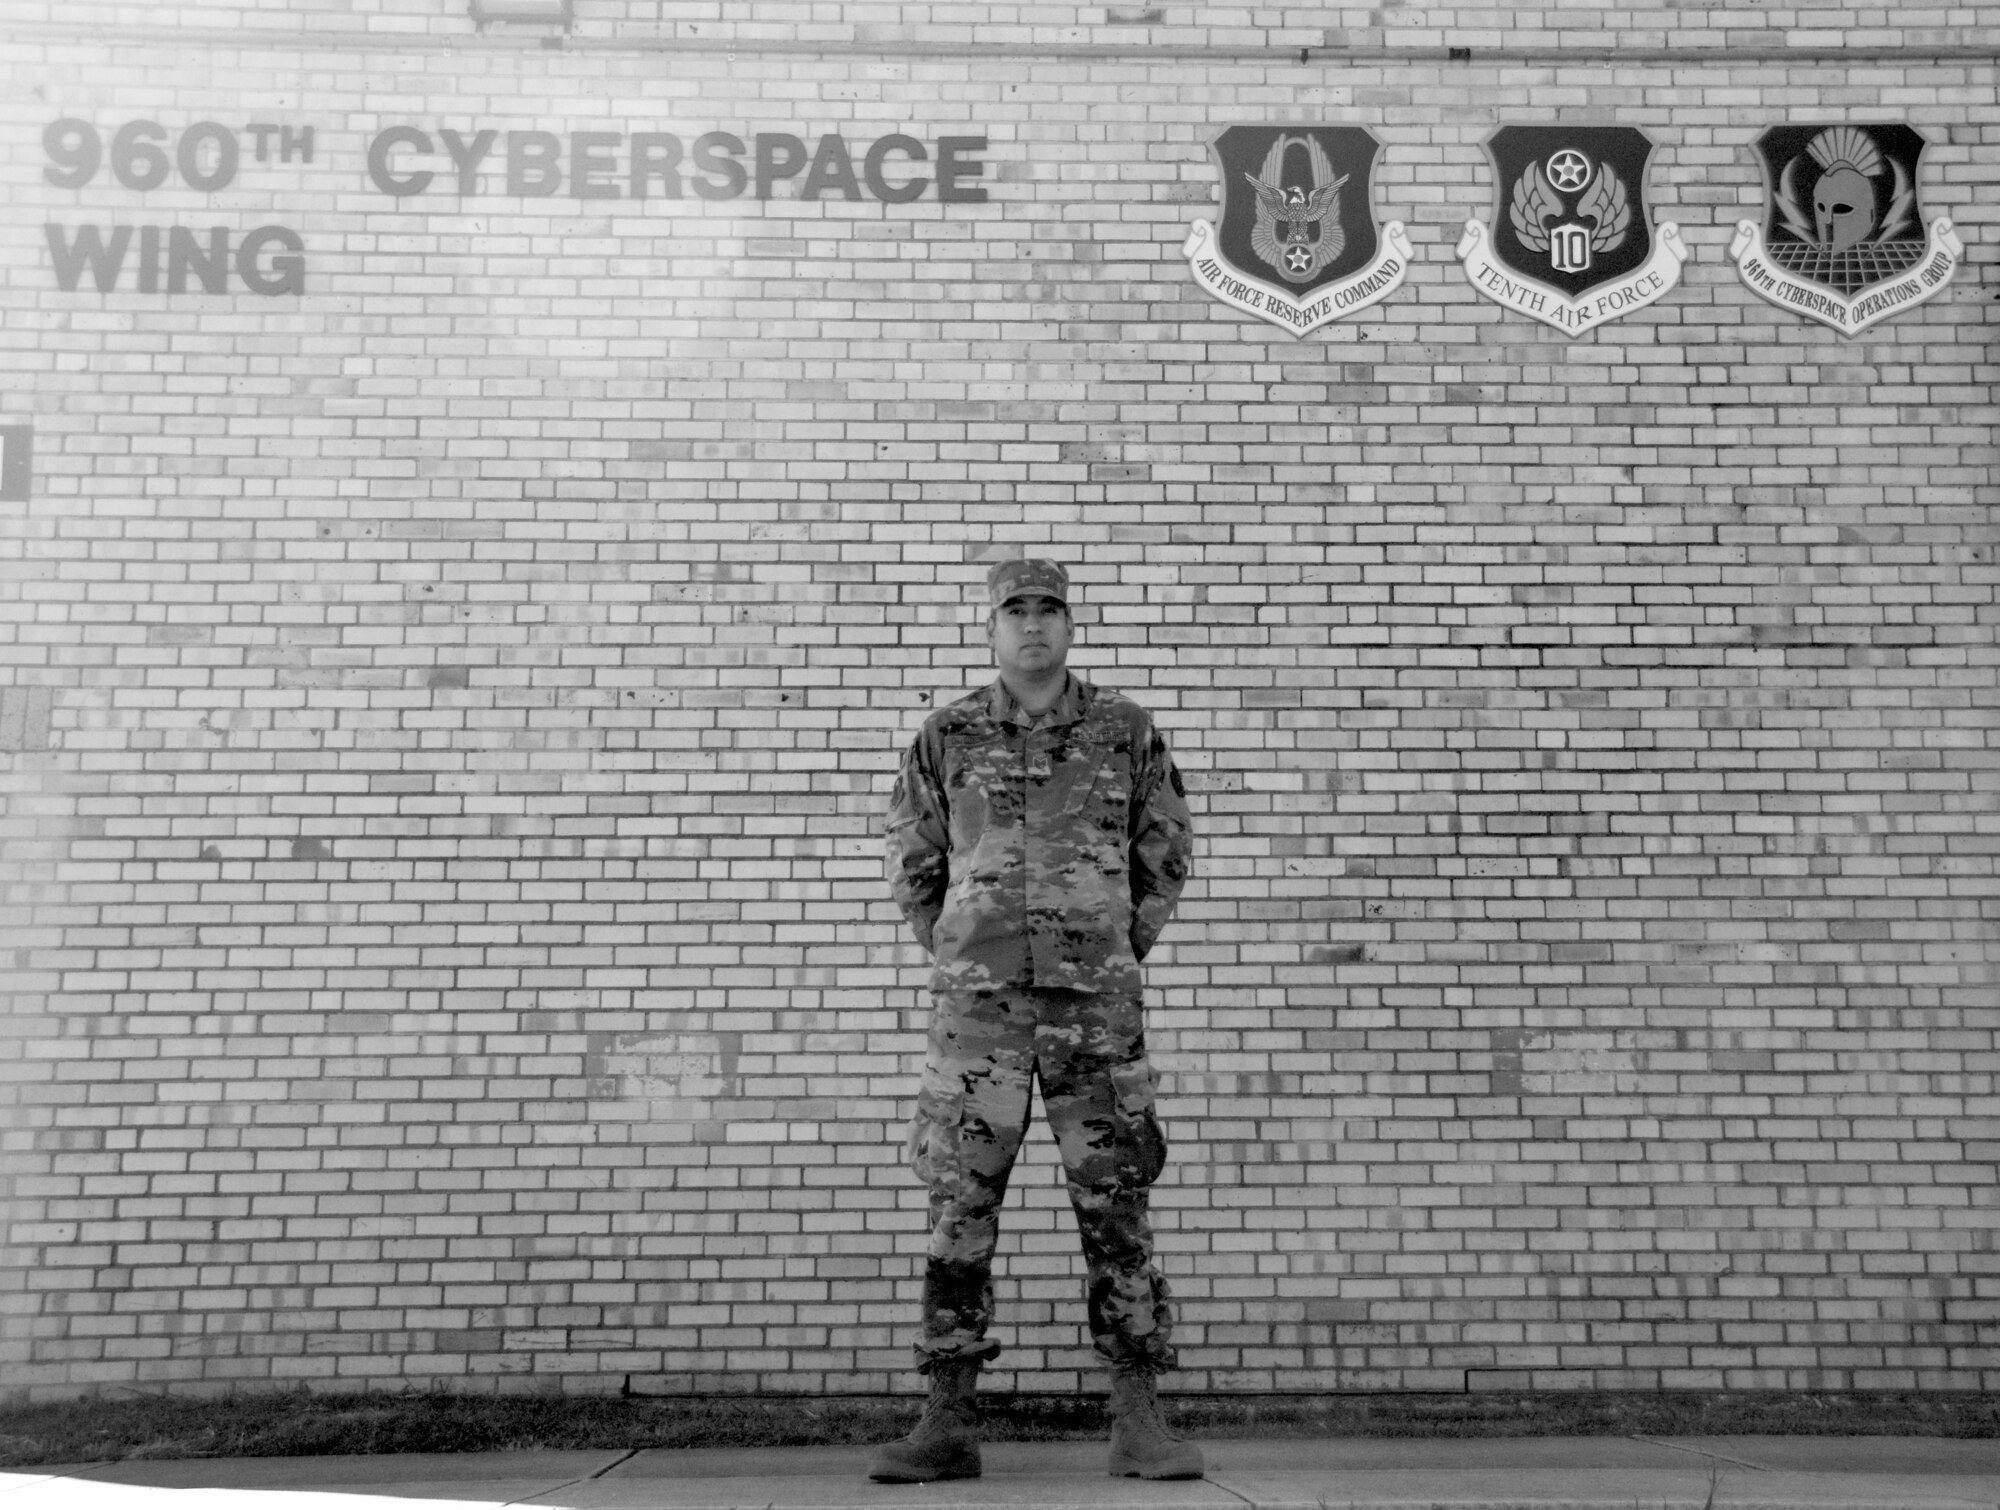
[(1569, 248), (1572, 244)]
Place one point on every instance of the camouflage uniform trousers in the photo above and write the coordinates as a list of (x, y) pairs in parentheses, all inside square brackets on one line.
[(1089, 1051)]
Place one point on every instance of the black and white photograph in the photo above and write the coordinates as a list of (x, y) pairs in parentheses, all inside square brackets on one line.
[(774, 754)]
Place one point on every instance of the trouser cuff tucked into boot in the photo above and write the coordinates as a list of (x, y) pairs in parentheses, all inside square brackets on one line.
[(945, 1444), (1141, 1445)]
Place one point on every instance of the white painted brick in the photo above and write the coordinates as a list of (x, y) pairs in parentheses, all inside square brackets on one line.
[(445, 923)]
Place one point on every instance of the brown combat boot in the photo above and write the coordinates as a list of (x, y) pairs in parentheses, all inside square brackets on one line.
[(1141, 1445), (945, 1444)]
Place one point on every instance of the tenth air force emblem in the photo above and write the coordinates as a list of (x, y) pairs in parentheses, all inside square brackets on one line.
[(1843, 240), (1297, 244), (1571, 244)]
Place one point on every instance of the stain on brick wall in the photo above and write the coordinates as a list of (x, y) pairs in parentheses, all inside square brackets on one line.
[(25, 719)]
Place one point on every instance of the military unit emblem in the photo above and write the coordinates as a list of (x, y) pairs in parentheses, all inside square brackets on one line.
[(1572, 244), (1537, 211), (1843, 240), (1297, 230), (1297, 244)]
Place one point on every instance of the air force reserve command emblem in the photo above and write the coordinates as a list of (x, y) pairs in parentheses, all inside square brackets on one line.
[(1297, 244), (1571, 244), (1843, 240)]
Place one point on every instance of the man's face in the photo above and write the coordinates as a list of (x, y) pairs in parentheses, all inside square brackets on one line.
[(1030, 636)]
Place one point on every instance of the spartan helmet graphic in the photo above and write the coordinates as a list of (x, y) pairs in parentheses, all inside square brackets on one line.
[(1844, 197)]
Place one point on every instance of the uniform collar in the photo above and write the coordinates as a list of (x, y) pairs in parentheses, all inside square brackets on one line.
[(1068, 708)]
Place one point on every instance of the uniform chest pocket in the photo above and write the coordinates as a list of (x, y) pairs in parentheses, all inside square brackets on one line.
[(1100, 791), (982, 783)]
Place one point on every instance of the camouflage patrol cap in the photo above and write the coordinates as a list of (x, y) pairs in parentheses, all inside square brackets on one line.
[(1020, 579)]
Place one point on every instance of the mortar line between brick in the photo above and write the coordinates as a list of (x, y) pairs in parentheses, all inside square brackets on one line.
[(1443, 52)]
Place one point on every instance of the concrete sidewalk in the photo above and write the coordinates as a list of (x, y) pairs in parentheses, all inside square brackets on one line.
[(1514, 1473)]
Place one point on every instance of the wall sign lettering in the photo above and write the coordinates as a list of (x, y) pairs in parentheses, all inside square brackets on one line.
[(403, 161), (895, 169), (1297, 244), (1572, 243), (1843, 239)]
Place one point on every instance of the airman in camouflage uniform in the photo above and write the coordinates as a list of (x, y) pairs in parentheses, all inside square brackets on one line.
[(1038, 840)]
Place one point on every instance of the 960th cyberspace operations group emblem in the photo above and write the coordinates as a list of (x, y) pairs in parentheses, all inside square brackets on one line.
[(1572, 244), (1843, 240), (1297, 243)]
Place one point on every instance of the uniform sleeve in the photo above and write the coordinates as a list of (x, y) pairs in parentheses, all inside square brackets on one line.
[(919, 838), (1162, 843)]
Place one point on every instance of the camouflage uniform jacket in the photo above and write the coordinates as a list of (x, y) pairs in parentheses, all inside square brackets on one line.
[(1049, 856)]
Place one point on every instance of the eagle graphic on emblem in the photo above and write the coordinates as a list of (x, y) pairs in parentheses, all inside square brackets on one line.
[(1298, 230)]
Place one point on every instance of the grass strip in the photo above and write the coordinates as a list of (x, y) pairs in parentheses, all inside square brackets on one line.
[(300, 1423)]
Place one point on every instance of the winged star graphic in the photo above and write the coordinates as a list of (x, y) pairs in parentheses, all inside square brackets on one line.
[(1534, 203), (1605, 204), (1288, 214)]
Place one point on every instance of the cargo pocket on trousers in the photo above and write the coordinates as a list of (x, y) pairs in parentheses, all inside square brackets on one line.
[(933, 1137), (1144, 1141)]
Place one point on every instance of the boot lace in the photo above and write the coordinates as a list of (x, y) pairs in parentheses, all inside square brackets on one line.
[(1142, 1408)]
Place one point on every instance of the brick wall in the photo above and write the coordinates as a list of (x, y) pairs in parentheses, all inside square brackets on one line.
[(449, 706)]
